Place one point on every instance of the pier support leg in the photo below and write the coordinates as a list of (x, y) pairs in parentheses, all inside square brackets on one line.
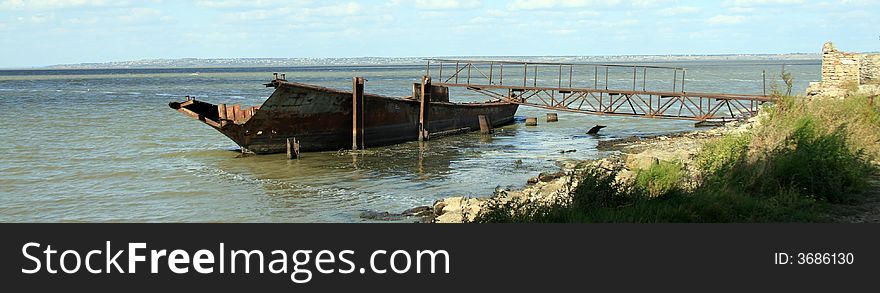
[(357, 113), (485, 125), (532, 121), (424, 108), (292, 148), (552, 117)]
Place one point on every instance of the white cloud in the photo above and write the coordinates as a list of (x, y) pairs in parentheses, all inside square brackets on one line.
[(140, 14), (57, 4), (726, 19), (738, 9), (297, 13), (225, 4), (350, 8), (647, 3), (545, 4), (445, 4), (678, 10), (746, 3)]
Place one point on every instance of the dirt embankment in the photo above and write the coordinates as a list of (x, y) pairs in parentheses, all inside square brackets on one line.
[(628, 155)]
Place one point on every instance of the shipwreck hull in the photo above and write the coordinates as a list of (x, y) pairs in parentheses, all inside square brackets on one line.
[(321, 119)]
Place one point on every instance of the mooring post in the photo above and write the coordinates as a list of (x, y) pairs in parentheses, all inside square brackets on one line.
[(531, 121), (552, 117), (357, 112), (485, 125), (292, 148), (424, 108)]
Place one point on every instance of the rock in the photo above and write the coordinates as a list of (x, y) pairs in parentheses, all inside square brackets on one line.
[(419, 211), (640, 161), (380, 216), (457, 207), (532, 181), (438, 207), (547, 177)]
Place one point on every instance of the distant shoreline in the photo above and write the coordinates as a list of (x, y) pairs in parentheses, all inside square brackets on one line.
[(195, 63)]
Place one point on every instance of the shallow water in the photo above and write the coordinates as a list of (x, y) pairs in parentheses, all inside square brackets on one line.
[(102, 145)]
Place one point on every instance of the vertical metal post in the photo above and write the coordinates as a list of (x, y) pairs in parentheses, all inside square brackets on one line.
[(558, 85), (559, 81), (683, 72), (456, 72), (764, 78), (570, 74), (441, 71), (596, 78), (536, 76), (469, 66), (634, 78), (645, 79), (491, 71), (606, 77), (602, 94), (501, 79), (428, 68), (357, 111), (292, 148), (525, 73), (674, 80), (424, 108), (289, 150)]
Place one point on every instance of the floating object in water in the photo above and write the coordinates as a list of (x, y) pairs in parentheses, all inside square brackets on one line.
[(595, 129), (552, 117)]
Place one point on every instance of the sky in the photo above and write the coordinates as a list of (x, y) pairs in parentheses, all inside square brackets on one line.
[(48, 32)]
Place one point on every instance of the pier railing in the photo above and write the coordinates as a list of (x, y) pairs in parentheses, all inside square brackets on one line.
[(593, 89)]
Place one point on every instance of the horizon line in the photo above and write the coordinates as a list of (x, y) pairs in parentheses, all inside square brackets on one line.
[(111, 65)]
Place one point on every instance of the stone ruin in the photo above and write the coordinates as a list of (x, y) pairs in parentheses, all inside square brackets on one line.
[(845, 72)]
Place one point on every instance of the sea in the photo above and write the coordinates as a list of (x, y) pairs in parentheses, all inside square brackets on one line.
[(102, 145)]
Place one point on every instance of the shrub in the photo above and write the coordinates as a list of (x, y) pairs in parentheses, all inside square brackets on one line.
[(660, 178)]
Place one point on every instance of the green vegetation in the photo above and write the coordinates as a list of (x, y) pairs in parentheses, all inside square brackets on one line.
[(660, 178), (804, 157)]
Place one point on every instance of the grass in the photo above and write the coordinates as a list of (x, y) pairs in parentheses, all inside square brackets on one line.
[(660, 178), (804, 158)]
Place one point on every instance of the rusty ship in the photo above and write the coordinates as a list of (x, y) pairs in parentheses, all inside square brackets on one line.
[(325, 119)]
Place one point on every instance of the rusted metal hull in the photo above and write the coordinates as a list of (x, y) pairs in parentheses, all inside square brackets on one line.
[(321, 119)]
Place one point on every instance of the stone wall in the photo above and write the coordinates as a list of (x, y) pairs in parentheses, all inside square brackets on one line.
[(845, 71), (839, 69), (870, 69)]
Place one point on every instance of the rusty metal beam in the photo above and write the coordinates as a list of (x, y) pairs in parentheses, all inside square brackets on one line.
[(357, 113), (605, 101), (424, 104)]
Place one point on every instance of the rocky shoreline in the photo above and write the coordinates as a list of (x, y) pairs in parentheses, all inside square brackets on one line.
[(627, 155)]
